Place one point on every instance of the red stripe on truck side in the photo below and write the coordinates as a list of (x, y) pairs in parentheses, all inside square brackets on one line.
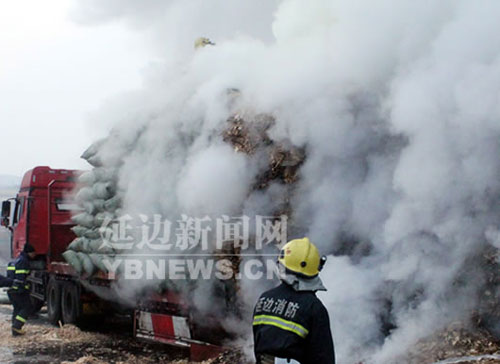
[(162, 325)]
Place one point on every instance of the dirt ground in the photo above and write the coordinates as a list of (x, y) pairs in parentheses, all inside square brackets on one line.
[(458, 343), (112, 343), (46, 344)]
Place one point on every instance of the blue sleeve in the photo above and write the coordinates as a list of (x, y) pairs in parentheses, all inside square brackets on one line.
[(5, 282)]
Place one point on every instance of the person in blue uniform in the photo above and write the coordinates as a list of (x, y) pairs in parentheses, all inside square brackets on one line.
[(19, 293)]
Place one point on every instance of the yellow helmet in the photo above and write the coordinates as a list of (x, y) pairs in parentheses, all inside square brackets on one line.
[(202, 42), (300, 256)]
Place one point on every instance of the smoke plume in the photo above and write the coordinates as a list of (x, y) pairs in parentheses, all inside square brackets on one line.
[(396, 105)]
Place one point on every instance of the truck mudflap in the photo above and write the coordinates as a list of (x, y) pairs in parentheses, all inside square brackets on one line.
[(172, 330)]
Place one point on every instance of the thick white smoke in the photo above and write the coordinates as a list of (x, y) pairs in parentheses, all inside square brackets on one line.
[(397, 105)]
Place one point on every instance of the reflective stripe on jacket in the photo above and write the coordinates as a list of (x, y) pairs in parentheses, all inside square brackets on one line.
[(21, 272), (11, 268)]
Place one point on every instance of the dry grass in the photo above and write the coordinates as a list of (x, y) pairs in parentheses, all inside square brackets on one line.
[(454, 342), (95, 348)]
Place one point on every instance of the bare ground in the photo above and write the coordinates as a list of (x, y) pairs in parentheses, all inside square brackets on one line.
[(46, 344), (112, 343)]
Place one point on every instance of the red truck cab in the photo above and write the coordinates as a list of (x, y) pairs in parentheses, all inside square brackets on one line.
[(41, 212)]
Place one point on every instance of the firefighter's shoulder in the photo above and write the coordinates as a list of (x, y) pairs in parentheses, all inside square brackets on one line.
[(21, 262), (317, 307)]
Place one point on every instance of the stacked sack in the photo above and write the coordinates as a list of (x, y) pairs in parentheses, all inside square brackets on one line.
[(100, 205)]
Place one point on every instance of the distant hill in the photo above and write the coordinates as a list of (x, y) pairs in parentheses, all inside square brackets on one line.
[(9, 185), (9, 182)]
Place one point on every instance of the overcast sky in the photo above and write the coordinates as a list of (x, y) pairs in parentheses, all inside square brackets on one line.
[(53, 74)]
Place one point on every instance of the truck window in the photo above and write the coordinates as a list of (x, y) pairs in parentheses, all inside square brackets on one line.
[(67, 205), (19, 209)]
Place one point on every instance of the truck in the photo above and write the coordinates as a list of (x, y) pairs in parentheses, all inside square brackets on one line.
[(40, 215)]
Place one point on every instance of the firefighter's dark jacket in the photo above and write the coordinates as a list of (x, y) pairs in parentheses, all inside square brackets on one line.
[(21, 271), (5, 281), (293, 324)]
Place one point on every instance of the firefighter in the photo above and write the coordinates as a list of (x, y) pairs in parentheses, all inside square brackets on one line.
[(202, 42), (289, 321), (19, 293)]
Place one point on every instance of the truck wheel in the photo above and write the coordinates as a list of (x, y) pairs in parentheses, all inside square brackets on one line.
[(36, 304), (54, 301), (70, 304)]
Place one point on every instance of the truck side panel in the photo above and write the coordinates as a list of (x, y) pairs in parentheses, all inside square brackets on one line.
[(59, 217), (37, 220)]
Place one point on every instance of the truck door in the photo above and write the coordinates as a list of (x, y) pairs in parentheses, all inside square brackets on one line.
[(19, 225)]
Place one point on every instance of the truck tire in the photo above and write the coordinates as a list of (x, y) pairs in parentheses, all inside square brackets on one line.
[(71, 304), (54, 301), (36, 305)]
